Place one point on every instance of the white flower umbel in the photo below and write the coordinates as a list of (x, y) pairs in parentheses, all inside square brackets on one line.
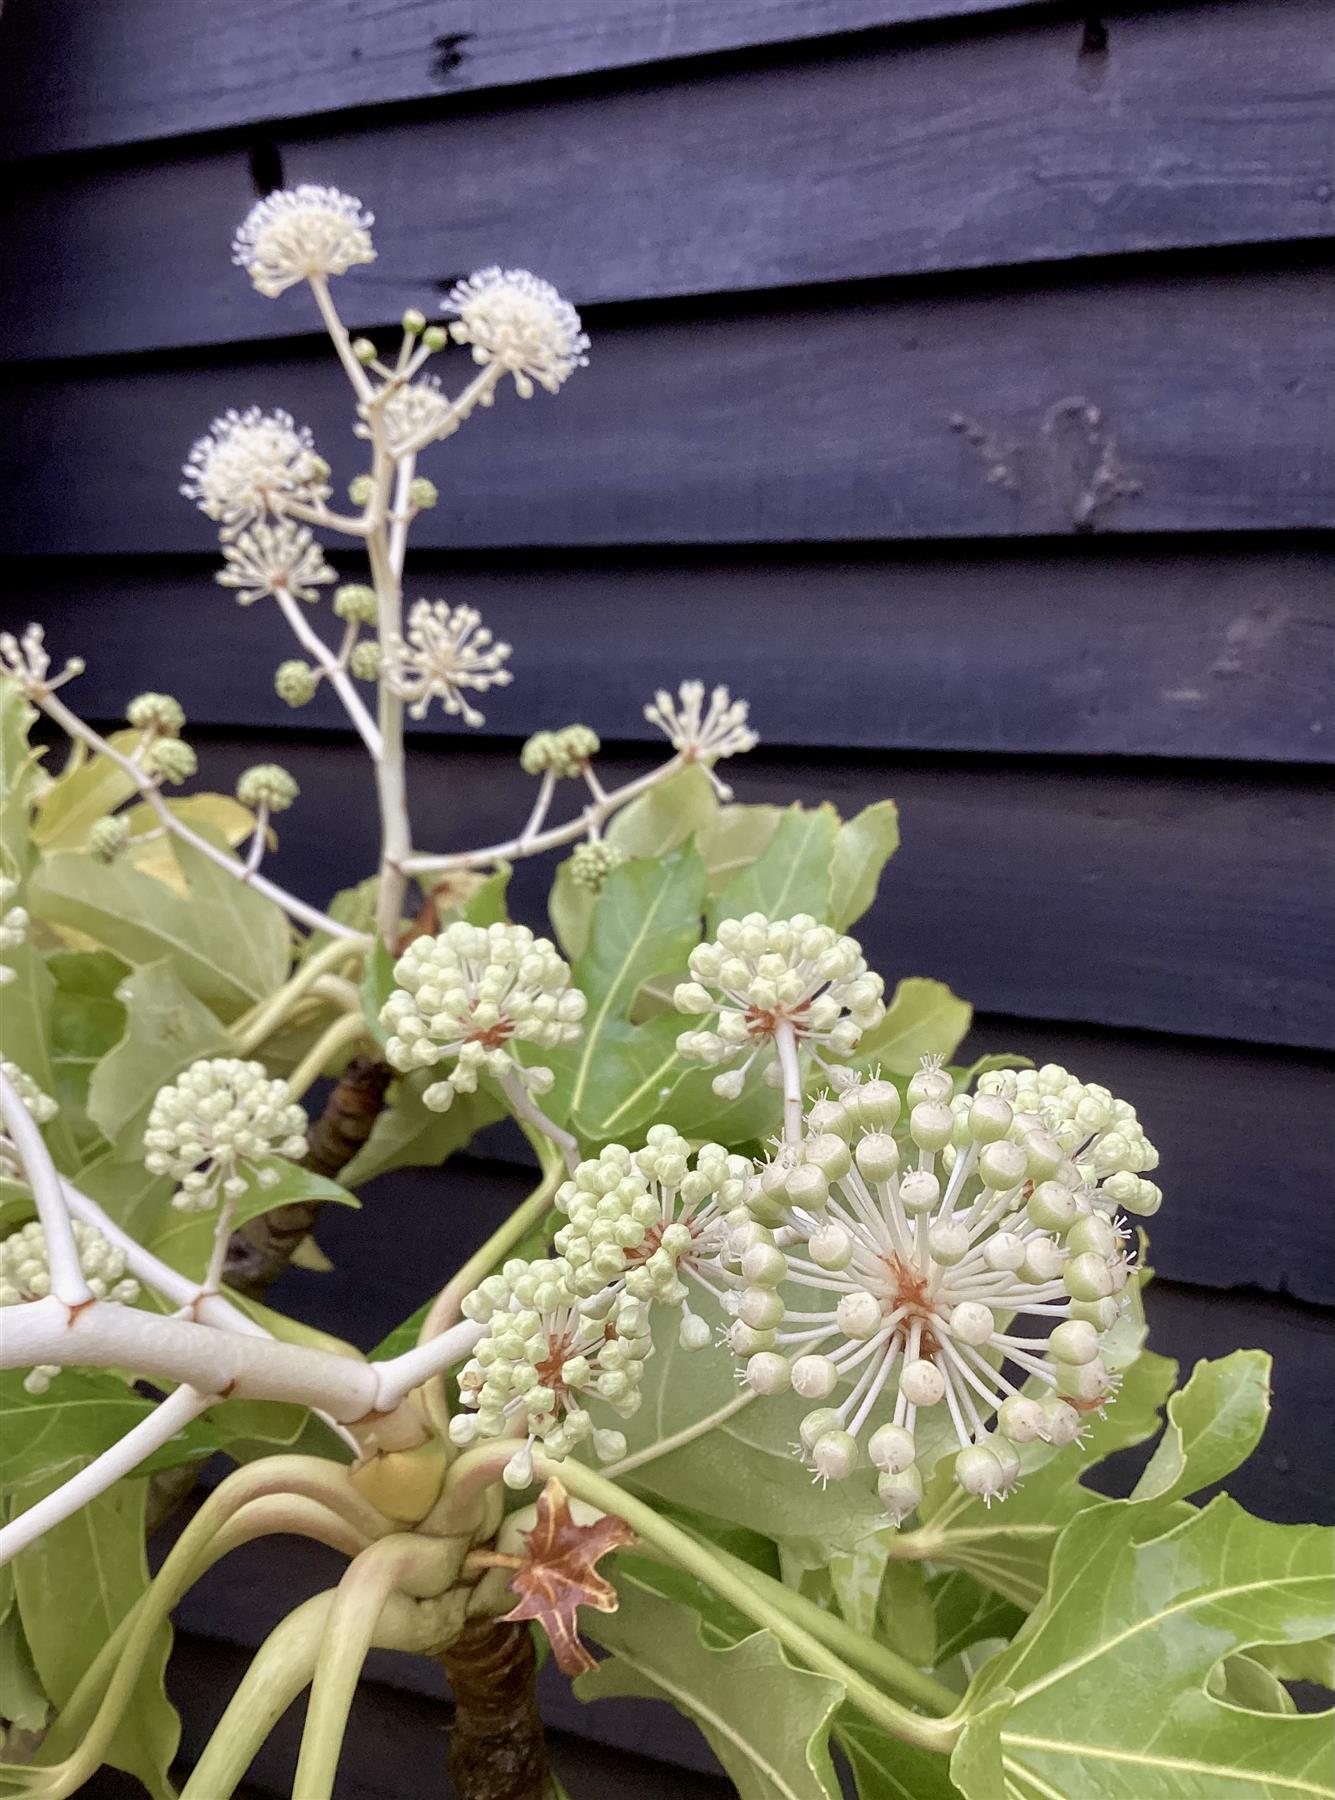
[(39, 1106), (247, 464), (26, 660), (778, 986), (905, 1269), (703, 735), (1102, 1133), (469, 996), (302, 233), (272, 558), (13, 926), (651, 1223), (512, 319), (547, 1350), (25, 1275), (220, 1117), (447, 649), (415, 415)]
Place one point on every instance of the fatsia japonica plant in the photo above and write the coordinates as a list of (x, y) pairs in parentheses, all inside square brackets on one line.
[(780, 1390)]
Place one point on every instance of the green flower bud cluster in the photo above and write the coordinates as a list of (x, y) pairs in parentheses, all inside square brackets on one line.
[(469, 996), (158, 713), (365, 660), (565, 753), (172, 759), (908, 1234), (422, 494), (592, 863), (761, 974), (24, 1274), (295, 681), (108, 837), (266, 784), (1102, 1133), (356, 603), (649, 1223), (361, 490), (13, 924), (547, 1350), (221, 1116)]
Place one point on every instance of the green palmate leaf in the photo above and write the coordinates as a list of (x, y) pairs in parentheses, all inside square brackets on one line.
[(184, 1239), (791, 875), (646, 923), (166, 1029), (1214, 1424), (735, 838), (123, 1187), (862, 847), (570, 907), (25, 1038), (354, 906), (1314, 1662), (661, 820), (19, 769), (23, 1701), (227, 944), (1008, 1547), (407, 1135), (923, 1018), (1105, 1694), (74, 1586), (885, 1769), (87, 1021), (1243, 1681), (89, 788), (767, 1722), (403, 1336), (81, 1414), (967, 1613)]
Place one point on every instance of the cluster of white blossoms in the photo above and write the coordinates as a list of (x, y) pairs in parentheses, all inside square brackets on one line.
[(26, 661), (25, 1275), (548, 1349), (882, 1264), (13, 924), (592, 862), (220, 1117), (282, 557), (766, 976), (649, 1223), (247, 464), (469, 996), (447, 649), (520, 325), (703, 735), (1101, 1132), (302, 234), (38, 1103)]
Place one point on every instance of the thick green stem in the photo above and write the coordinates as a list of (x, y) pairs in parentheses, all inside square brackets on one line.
[(263, 1020), (340, 1035)]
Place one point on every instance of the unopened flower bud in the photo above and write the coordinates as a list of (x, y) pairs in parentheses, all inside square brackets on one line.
[(295, 682)]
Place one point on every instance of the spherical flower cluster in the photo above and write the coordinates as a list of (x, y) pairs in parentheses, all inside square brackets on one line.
[(1100, 1132), (765, 977), (548, 1349), (447, 650), (356, 603), (703, 736), (247, 464), (908, 1269), (218, 1118), (563, 753), (300, 234), (27, 661), (108, 837), (591, 863), (268, 785), (24, 1274), (514, 320), (172, 759), (159, 713), (422, 494), (469, 996), (274, 558), (365, 661), (414, 415), (38, 1103), (295, 681), (13, 925)]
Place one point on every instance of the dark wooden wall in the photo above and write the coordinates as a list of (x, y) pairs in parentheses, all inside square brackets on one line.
[(961, 393)]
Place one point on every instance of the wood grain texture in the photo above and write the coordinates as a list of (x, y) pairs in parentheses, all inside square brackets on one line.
[(1203, 126), (1154, 648), (1162, 897), (77, 76), (840, 421)]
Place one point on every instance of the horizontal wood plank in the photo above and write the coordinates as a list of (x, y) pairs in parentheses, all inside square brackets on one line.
[(79, 76), (958, 154), (1147, 896), (1010, 412), (1156, 648)]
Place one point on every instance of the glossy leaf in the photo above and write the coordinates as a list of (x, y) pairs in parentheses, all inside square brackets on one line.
[(81, 1414), (665, 817), (19, 769), (766, 1721), (1106, 1695), (885, 1769), (967, 1613), (25, 1038), (74, 1586), (23, 1700), (862, 847), (922, 1018), (86, 790), (184, 1239), (735, 838), (87, 1021), (1214, 1424), (407, 1135), (792, 874), (166, 1029)]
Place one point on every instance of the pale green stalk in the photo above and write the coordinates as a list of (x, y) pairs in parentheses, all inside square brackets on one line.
[(263, 1020), (340, 1035)]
